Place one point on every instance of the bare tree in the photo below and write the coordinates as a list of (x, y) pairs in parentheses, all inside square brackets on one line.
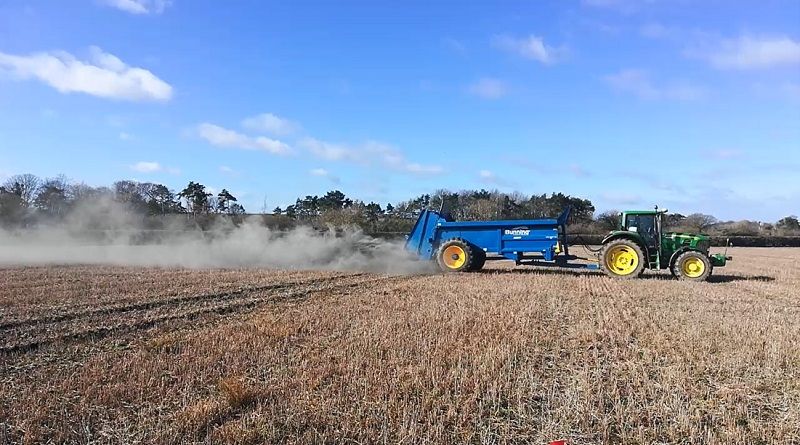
[(788, 225), (51, 198), (609, 220), (26, 186), (699, 222)]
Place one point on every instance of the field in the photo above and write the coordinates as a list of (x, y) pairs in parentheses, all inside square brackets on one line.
[(509, 355)]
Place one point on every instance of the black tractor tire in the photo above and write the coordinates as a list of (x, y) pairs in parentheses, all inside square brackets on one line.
[(692, 266), (479, 261), (618, 269), (456, 255)]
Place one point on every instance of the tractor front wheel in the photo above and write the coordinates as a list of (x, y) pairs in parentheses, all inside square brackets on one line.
[(456, 255), (692, 266), (622, 258)]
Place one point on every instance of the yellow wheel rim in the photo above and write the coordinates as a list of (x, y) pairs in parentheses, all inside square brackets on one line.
[(454, 257), (693, 267), (622, 260)]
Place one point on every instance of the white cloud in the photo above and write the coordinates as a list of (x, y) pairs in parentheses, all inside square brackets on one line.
[(638, 83), (139, 6), (368, 154), (125, 136), (393, 159), (654, 30), (621, 198), (791, 90), (223, 137), (116, 121), (270, 123), (487, 175), (421, 169), (228, 171), (105, 75), (748, 52), (604, 3), (331, 151), (778, 90), (633, 81), (153, 167), (455, 46), (490, 178), (578, 171), (623, 6), (322, 173), (488, 88), (146, 167), (531, 47), (726, 153)]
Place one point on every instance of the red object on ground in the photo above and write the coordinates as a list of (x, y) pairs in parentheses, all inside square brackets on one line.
[(558, 442)]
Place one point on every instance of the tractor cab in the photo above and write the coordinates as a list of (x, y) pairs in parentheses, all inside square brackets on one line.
[(645, 223), (640, 243)]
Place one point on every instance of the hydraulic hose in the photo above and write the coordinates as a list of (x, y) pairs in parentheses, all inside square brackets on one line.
[(579, 240)]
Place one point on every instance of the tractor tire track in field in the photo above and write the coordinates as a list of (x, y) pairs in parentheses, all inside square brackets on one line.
[(160, 301), (101, 323)]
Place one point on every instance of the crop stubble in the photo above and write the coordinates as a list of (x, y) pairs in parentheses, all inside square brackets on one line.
[(128, 355)]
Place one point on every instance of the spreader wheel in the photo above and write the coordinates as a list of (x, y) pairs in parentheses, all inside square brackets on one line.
[(479, 261), (692, 266), (455, 255), (622, 258)]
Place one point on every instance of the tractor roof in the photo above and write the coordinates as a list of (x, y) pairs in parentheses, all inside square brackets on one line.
[(645, 212)]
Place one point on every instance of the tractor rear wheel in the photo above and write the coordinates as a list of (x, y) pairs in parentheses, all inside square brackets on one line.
[(622, 258), (455, 255), (692, 266)]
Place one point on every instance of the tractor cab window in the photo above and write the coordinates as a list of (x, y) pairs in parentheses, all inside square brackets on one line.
[(644, 225)]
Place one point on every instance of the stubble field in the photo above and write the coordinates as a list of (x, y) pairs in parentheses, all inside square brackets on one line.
[(92, 354)]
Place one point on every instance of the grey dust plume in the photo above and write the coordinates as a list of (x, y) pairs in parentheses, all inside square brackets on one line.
[(109, 234)]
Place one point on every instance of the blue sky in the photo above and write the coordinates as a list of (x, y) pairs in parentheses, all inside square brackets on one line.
[(691, 105)]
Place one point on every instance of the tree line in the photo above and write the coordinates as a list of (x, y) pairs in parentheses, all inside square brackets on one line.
[(475, 205), (335, 208), (27, 199)]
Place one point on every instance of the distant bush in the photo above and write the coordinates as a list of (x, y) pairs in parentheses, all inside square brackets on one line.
[(743, 228)]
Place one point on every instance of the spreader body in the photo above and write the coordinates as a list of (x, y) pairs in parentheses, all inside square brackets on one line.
[(518, 240)]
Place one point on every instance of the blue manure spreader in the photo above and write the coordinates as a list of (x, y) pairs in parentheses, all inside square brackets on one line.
[(638, 244)]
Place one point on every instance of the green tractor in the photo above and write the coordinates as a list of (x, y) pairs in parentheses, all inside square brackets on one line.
[(639, 243)]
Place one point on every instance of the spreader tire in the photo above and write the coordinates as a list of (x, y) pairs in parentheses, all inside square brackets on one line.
[(622, 258), (456, 255), (479, 261), (692, 266)]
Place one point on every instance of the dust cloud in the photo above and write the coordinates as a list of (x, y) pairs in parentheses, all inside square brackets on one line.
[(109, 235)]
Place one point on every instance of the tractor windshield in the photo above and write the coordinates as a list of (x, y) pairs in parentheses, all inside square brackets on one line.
[(644, 225)]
